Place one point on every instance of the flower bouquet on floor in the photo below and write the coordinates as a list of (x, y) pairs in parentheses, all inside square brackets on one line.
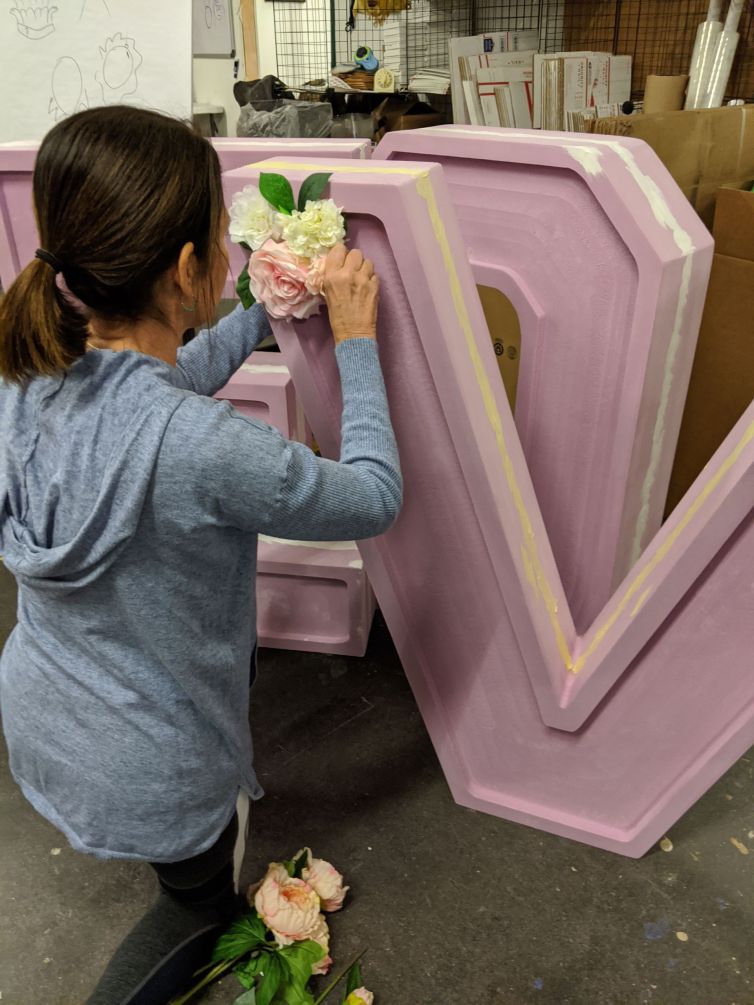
[(287, 241), (284, 941)]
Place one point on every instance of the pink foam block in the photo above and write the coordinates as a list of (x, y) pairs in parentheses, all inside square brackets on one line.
[(607, 735), (18, 229), (262, 389), (607, 265), (236, 152), (313, 597)]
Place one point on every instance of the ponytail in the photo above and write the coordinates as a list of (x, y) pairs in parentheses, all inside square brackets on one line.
[(41, 331), (113, 225)]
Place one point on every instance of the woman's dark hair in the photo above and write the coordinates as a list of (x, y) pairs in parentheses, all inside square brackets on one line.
[(118, 191)]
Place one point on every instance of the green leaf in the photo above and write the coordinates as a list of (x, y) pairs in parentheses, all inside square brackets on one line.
[(353, 979), (243, 936), (336, 980), (312, 189), (301, 957), (245, 246), (247, 998), (301, 863), (247, 971), (243, 289), (272, 973), (294, 996), (278, 192)]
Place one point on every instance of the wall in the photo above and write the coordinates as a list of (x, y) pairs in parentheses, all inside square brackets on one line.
[(213, 78)]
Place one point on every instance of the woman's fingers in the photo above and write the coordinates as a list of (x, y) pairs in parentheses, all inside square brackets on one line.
[(354, 260), (335, 259)]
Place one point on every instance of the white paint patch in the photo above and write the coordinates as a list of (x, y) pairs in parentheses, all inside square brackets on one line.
[(651, 190), (263, 368), (318, 545), (682, 240), (356, 564), (588, 157)]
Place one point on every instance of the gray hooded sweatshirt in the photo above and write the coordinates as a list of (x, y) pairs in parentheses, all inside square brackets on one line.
[(130, 503)]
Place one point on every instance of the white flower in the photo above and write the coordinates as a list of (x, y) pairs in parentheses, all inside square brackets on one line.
[(252, 219), (314, 231)]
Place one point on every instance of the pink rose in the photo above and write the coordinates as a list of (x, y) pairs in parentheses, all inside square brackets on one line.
[(315, 279), (278, 280), (288, 907), (321, 935), (327, 882)]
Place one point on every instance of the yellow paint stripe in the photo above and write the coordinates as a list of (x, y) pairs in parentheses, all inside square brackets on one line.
[(532, 563), (666, 546), (344, 167)]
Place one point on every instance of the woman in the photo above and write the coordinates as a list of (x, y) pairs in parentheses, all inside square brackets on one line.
[(130, 503)]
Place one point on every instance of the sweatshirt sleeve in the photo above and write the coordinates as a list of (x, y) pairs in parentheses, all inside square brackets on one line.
[(250, 477), (209, 361)]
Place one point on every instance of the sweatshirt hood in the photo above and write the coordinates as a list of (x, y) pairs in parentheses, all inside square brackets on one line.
[(76, 464)]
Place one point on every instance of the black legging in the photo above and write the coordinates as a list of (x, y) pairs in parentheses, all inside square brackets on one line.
[(158, 958)]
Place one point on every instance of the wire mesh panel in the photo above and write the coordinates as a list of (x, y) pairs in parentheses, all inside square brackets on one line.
[(303, 42), (658, 34)]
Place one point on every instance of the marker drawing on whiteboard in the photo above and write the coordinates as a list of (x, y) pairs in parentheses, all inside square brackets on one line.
[(85, 7), (34, 18), (67, 86), (117, 76)]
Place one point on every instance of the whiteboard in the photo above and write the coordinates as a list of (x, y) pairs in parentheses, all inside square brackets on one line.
[(213, 28), (60, 56)]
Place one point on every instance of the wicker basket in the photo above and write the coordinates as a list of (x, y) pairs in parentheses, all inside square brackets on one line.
[(360, 80)]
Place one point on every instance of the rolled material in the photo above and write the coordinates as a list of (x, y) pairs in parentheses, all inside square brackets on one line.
[(702, 59), (715, 10), (664, 94), (720, 72), (734, 16)]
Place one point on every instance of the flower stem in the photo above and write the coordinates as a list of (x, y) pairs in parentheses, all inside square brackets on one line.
[(217, 971), (338, 979)]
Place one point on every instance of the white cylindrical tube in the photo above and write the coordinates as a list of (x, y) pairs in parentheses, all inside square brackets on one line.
[(715, 10), (702, 59), (720, 73), (734, 16)]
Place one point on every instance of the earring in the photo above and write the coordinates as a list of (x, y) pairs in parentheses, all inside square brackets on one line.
[(191, 308)]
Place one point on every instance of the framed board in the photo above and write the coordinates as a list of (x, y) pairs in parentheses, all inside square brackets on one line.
[(212, 28)]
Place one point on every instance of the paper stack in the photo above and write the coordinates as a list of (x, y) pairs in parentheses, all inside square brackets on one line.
[(504, 89), (430, 80), (398, 29), (462, 51), (569, 82)]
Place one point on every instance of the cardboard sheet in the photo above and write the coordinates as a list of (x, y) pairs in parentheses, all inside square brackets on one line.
[(722, 380), (703, 149)]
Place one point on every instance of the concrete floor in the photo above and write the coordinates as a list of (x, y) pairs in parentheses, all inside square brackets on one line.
[(453, 906)]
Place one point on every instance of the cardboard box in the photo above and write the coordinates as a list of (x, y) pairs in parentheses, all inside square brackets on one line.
[(703, 149), (722, 379), (505, 332), (395, 113)]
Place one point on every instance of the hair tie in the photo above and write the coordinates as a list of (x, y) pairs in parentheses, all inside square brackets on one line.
[(52, 260)]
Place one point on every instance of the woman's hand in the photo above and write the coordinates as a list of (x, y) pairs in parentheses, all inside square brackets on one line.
[(352, 292)]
